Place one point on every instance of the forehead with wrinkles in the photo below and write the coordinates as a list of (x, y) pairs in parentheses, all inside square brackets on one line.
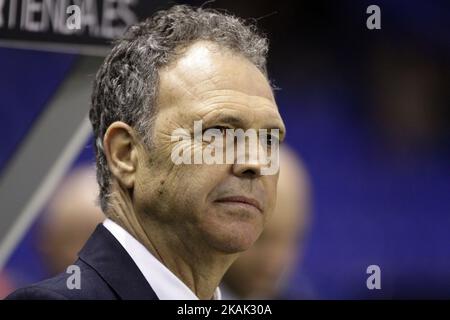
[(206, 70)]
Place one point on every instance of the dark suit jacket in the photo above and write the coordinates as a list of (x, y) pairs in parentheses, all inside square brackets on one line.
[(106, 272)]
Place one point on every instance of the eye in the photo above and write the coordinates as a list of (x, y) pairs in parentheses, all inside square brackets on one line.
[(222, 129)]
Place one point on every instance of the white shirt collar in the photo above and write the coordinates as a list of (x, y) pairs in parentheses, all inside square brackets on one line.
[(166, 285)]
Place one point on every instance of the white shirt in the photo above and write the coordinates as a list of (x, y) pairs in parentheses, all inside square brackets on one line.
[(166, 285)]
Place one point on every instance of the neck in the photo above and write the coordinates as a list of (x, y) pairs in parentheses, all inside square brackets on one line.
[(195, 263)]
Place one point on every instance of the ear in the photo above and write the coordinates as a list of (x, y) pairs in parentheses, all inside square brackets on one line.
[(121, 150)]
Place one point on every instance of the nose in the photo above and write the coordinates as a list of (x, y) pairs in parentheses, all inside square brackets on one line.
[(250, 170), (250, 159)]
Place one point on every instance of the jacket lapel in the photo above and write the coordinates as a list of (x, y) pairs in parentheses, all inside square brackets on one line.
[(111, 261)]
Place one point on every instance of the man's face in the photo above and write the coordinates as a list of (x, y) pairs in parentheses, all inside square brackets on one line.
[(209, 202)]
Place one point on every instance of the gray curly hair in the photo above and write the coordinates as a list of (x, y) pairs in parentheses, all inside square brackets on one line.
[(126, 85)]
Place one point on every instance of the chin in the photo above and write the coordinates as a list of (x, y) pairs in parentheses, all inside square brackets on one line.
[(232, 235)]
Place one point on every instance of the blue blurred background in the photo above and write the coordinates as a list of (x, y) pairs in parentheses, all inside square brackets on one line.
[(368, 111)]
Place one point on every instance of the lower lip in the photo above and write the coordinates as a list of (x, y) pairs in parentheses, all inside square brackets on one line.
[(239, 204)]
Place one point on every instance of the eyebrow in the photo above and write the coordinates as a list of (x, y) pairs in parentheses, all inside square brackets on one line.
[(235, 121)]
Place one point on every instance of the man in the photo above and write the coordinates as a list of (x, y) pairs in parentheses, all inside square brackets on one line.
[(69, 220), (261, 272), (173, 230)]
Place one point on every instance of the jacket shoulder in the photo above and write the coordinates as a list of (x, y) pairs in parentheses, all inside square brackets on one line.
[(91, 286), (35, 292)]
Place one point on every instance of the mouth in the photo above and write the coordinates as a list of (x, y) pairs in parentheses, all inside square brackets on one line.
[(243, 201)]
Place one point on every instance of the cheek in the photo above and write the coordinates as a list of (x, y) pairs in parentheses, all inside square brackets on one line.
[(189, 185)]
